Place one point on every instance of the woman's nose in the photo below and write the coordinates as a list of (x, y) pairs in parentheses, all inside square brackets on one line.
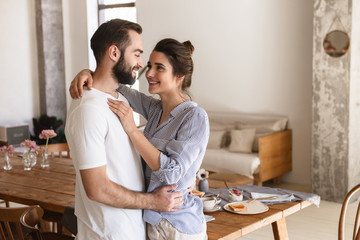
[(149, 73)]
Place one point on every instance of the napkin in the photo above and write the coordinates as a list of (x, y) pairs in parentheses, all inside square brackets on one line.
[(278, 198), (208, 218)]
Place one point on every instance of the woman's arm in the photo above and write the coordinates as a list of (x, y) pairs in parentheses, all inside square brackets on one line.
[(77, 84), (182, 152), (149, 153), (140, 102)]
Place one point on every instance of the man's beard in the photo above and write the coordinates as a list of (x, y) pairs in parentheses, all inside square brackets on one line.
[(123, 72)]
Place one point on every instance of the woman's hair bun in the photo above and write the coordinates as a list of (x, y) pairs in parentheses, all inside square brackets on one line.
[(189, 46)]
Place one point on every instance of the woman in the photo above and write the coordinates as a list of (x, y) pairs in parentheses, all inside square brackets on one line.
[(174, 139)]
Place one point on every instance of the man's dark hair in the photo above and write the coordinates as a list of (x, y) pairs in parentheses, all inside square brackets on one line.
[(114, 32)]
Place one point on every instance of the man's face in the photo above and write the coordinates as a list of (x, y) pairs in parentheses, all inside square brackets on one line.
[(130, 61)]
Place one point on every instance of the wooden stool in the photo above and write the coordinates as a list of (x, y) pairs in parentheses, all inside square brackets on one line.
[(217, 179)]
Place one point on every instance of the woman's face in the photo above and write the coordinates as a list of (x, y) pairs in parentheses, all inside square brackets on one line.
[(160, 75)]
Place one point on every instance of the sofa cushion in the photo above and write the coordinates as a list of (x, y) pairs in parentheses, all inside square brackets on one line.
[(218, 125), (263, 128), (242, 140), (221, 160), (266, 126), (216, 139)]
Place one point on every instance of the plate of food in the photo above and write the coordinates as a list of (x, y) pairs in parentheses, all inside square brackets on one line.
[(244, 207)]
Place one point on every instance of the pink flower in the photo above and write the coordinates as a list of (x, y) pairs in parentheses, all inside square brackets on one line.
[(9, 149), (46, 134), (31, 145)]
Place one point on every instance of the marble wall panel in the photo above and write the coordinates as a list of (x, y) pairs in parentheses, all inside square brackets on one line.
[(335, 165), (51, 58)]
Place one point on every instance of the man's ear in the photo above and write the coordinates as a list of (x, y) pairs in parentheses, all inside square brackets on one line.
[(114, 53)]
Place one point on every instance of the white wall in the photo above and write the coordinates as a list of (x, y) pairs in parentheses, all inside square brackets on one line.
[(18, 63), (250, 56), (80, 21)]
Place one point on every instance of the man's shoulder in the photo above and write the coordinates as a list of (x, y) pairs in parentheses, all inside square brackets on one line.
[(90, 101)]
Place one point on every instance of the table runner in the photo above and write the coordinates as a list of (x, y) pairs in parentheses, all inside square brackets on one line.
[(247, 189)]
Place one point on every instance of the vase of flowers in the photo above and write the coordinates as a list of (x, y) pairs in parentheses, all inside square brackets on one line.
[(8, 150), (46, 134), (30, 154), (202, 175)]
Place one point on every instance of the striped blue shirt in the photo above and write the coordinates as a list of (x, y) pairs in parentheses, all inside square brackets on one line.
[(182, 141)]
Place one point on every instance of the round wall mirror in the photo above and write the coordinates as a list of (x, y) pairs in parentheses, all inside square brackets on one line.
[(336, 43)]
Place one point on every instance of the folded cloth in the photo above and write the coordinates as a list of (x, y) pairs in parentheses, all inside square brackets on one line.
[(276, 197), (208, 218), (248, 189)]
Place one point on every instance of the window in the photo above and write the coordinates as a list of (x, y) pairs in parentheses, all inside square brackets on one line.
[(109, 9), (124, 9)]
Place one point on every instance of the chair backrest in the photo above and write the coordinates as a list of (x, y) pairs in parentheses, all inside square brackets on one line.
[(341, 232), (57, 149), (10, 223), (4, 143), (30, 220)]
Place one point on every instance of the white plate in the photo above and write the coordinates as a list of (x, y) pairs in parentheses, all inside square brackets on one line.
[(254, 207), (214, 209)]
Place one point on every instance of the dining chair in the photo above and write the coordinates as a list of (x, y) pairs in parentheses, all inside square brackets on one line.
[(341, 232), (31, 223), (4, 143), (10, 227), (57, 149)]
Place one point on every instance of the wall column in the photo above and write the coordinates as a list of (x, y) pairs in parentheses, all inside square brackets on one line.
[(50, 44), (336, 104)]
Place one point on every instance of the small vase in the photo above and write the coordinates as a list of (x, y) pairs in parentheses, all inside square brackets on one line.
[(204, 185), (26, 161), (45, 161), (7, 165), (29, 160)]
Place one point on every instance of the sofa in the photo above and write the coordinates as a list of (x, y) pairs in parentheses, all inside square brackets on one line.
[(252, 145)]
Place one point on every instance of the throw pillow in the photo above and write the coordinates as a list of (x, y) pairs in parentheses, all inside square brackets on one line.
[(242, 140), (263, 128), (216, 139)]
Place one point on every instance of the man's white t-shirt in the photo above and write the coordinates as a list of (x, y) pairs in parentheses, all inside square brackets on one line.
[(97, 138)]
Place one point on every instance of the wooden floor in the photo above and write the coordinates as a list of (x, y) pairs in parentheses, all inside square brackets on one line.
[(310, 223)]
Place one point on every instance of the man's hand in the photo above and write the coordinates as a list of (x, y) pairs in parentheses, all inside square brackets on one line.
[(77, 84), (165, 201)]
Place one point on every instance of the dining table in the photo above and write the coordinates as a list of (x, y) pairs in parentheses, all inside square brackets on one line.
[(228, 225), (53, 188)]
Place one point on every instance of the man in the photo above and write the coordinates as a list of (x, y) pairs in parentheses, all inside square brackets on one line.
[(109, 179)]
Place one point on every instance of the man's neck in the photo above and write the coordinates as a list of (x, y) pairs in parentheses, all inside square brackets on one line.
[(105, 82)]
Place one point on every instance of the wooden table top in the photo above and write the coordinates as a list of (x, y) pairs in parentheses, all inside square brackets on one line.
[(52, 188), (232, 226)]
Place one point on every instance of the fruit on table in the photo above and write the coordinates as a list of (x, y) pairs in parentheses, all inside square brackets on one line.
[(236, 192)]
